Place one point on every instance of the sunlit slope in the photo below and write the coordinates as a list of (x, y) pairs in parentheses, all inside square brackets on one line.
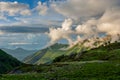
[(46, 55), (76, 53), (108, 52)]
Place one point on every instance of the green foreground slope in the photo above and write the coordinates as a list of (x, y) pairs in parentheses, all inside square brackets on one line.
[(68, 71), (7, 62)]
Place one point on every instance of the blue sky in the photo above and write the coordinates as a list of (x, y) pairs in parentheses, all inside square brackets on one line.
[(32, 3)]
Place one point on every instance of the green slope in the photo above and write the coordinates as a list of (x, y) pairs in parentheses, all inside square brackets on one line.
[(7, 62), (76, 53), (109, 52), (68, 71), (46, 55)]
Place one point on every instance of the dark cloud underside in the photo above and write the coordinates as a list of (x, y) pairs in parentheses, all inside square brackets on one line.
[(24, 29)]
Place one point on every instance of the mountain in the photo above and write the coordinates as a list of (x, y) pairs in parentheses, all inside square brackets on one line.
[(75, 52), (46, 55), (7, 62), (76, 63), (19, 53)]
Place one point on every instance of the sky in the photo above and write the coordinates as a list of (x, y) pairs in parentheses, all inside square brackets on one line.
[(35, 24), (23, 23)]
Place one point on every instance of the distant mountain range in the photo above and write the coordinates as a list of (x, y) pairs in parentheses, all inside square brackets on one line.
[(19, 53)]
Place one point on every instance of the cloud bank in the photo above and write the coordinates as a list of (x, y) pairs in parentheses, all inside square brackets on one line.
[(93, 17)]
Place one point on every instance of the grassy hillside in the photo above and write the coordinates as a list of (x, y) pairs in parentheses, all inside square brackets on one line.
[(68, 71), (7, 62), (101, 63), (76, 53), (109, 52), (46, 55)]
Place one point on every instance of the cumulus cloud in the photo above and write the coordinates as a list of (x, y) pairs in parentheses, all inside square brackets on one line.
[(64, 32), (41, 8), (15, 14), (110, 22), (84, 8), (14, 8), (88, 28)]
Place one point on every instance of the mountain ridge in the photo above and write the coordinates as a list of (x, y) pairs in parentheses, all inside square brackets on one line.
[(51, 53), (46, 55), (19, 53)]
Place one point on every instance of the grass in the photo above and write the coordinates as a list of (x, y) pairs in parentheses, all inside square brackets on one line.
[(69, 71), (50, 56), (110, 52), (46, 55)]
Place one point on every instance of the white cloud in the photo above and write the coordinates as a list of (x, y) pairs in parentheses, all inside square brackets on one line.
[(2, 17), (41, 8), (64, 32), (21, 43), (110, 22), (84, 8), (14, 8), (25, 12)]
